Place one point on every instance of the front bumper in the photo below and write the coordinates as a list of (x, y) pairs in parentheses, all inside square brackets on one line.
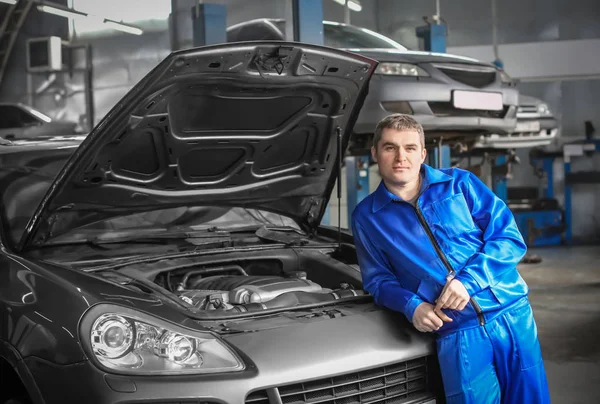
[(428, 94), (534, 133), (274, 358)]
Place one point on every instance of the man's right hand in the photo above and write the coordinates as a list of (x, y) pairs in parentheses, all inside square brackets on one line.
[(425, 318)]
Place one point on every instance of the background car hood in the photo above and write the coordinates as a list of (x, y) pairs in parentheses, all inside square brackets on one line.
[(253, 124), (394, 55)]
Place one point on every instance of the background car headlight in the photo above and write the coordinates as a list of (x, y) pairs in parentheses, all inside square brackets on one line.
[(505, 77), (400, 69), (127, 343), (544, 110)]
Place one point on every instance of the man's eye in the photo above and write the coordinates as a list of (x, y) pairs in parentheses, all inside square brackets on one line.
[(389, 148)]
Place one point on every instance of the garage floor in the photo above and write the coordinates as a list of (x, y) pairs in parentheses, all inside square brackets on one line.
[(565, 295)]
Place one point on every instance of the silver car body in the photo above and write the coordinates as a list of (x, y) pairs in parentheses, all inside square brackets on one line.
[(536, 127), (431, 98)]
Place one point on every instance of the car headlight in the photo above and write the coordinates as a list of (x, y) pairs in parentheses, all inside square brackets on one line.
[(505, 77), (125, 342), (400, 69), (544, 110)]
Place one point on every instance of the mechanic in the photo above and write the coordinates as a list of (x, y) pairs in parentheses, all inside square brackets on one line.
[(438, 246)]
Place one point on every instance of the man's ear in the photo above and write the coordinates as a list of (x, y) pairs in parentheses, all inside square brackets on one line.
[(374, 153), (424, 155)]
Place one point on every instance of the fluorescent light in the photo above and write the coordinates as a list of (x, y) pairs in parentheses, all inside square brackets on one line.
[(130, 29), (11, 2), (63, 12), (353, 5)]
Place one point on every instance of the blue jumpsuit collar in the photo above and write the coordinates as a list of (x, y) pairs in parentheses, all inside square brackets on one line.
[(381, 196)]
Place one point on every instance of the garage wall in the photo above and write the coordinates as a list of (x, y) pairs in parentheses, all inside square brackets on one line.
[(14, 84)]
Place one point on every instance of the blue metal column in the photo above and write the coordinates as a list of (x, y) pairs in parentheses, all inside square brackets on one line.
[(499, 183), (307, 17), (357, 181), (209, 24), (568, 207), (549, 188), (434, 37), (439, 157)]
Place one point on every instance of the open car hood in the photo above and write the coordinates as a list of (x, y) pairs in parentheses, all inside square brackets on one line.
[(254, 124)]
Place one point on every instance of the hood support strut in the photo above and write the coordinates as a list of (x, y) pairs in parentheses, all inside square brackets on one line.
[(338, 131)]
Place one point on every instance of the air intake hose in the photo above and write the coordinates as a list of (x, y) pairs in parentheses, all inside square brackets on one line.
[(291, 299)]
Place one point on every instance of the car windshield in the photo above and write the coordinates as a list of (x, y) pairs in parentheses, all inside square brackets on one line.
[(349, 37)]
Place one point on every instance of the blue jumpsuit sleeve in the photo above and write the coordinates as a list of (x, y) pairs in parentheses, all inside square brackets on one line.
[(503, 245), (379, 280)]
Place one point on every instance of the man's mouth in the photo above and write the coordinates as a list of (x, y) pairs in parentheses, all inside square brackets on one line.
[(401, 168)]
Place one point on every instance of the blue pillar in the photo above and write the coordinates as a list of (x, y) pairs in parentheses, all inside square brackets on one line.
[(209, 24), (499, 183), (326, 219), (357, 181), (568, 207), (434, 37), (307, 18), (548, 170), (439, 157)]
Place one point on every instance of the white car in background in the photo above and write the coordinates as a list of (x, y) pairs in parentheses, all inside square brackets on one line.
[(536, 127), (19, 121)]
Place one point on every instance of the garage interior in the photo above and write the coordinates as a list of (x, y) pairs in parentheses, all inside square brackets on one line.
[(64, 64)]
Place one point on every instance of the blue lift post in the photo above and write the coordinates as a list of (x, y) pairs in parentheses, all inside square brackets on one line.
[(499, 185), (209, 24), (357, 181), (434, 33)]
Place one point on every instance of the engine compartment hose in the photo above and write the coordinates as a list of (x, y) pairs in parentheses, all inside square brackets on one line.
[(205, 271)]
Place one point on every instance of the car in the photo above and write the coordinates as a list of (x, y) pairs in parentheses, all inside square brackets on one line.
[(536, 127), (20, 121), (174, 254), (454, 97)]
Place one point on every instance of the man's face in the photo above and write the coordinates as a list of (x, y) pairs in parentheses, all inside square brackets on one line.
[(399, 155)]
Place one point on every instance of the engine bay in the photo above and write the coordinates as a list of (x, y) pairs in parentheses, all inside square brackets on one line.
[(254, 282)]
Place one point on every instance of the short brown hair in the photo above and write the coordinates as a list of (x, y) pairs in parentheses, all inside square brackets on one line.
[(398, 122)]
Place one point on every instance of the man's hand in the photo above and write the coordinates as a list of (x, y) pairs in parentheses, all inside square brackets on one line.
[(426, 320), (454, 296)]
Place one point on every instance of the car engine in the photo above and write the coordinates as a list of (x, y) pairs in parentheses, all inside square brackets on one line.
[(205, 290)]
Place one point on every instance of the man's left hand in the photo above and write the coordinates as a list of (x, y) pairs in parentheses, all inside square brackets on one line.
[(454, 296)]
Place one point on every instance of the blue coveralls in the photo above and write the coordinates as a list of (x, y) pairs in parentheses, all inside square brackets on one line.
[(490, 352)]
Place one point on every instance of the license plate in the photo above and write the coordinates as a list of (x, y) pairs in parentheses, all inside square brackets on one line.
[(477, 100), (527, 126)]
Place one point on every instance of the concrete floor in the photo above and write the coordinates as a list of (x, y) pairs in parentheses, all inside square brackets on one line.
[(565, 295)]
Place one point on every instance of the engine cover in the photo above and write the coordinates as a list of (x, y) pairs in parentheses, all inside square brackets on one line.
[(256, 289)]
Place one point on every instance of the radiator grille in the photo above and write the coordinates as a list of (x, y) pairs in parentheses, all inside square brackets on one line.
[(440, 108), (476, 79), (394, 384)]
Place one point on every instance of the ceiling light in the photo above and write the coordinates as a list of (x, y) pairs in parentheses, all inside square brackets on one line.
[(63, 12), (353, 5), (130, 29), (11, 2)]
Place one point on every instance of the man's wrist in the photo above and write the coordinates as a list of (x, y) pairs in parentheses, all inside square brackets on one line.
[(468, 282), (411, 306)]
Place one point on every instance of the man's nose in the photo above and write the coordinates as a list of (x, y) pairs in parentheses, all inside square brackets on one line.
[(400, 154)]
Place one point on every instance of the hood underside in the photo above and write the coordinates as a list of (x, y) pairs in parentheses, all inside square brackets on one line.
[(252, 125)]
